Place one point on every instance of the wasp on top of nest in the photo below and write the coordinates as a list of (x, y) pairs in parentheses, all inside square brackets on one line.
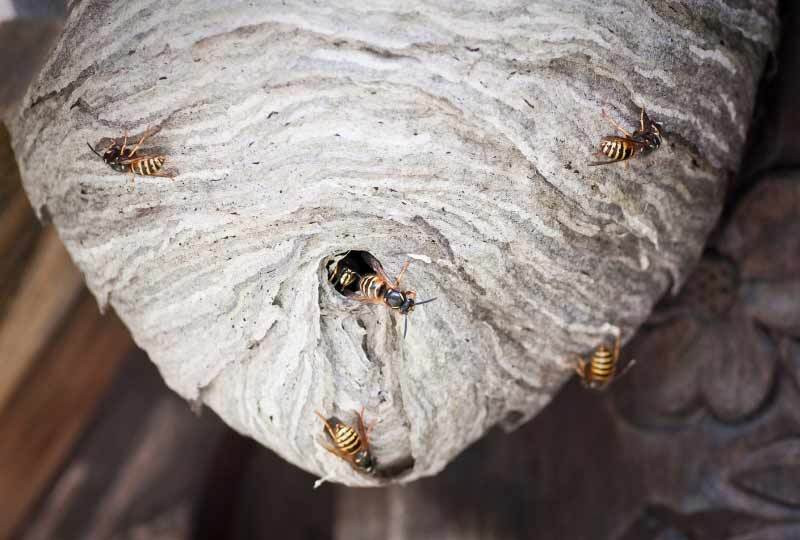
[(600, 370), (360, 276), (645, 139), (122, 158)]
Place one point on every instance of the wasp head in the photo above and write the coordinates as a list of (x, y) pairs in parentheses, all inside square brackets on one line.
[(364, 461), (650, 132), (404, 302), (409, 302)]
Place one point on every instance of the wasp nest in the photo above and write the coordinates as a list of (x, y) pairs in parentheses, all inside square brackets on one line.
[(457, 137)]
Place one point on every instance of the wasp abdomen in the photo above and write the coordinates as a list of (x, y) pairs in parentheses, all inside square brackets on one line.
[(617, 149), (602, 365), (372, 286), (601, 368), (346, 438), (147, 166)]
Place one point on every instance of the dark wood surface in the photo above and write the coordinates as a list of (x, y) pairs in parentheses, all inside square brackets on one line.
[(698, 441)]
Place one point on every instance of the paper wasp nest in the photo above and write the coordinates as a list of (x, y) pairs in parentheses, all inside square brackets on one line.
[(454, 134)]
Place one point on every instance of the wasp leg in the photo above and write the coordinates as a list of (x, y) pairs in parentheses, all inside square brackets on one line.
[(400, 275), (109, 147), (616, 125), (580, 368), (617, 344), (596, 163), (328, 427), (124, 142), (135, 148)]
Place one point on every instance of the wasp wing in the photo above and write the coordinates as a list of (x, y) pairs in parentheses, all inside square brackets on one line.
[(614, 138), (376, 266), (356, 295), (131, 160)]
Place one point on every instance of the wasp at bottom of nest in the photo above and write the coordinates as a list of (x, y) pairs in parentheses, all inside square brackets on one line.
[(125, 159), (352, 445), (645, 139), (600, 370)]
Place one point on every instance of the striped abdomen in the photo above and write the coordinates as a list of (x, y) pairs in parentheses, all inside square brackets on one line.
[(342, 277), (147, 166), (618, 148), (602, 366), (346, 439), (372, 286)]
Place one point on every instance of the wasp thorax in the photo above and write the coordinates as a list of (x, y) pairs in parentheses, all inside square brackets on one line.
[(396, 299)]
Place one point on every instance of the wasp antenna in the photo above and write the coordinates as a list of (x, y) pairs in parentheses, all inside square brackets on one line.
[(424, 301), (93, 150)]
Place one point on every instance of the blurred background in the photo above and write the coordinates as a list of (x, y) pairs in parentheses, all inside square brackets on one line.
[(701, 440)]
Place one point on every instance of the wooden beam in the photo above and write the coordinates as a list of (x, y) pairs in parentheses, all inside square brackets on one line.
[(48, 412), (49, 288)]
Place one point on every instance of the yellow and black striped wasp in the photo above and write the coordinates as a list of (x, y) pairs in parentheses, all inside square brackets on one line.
[(601, 369), (352, 445), (124, 159), (360, 276), (645, 139)]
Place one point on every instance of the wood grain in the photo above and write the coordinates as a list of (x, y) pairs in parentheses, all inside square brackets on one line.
[(140, 469), (47, 413), (48, 289)]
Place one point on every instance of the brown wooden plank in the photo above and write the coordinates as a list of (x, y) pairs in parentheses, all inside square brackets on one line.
[(48, 411), (48, 290), (138, 471), (16, 216), (9, 173), (254, 494), (19, 232)]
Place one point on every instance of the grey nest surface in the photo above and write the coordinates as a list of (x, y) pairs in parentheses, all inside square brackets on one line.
[(456, 135)]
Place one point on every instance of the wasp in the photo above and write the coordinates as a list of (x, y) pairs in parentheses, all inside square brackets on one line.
[(601, 369), (352, 445), (644, 139), (340, 275), (124, 159), (374, 286)]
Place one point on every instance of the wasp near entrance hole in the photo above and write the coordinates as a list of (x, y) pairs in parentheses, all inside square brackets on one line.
[(124, 159), (644, 139), (360, 276), (352, 445), (601, 369)]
